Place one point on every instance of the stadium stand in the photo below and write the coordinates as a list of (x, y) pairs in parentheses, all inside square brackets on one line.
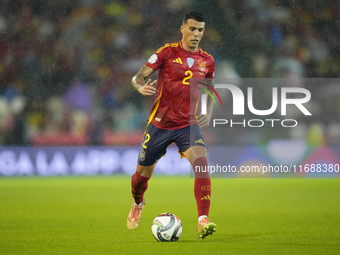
[(66, 66)]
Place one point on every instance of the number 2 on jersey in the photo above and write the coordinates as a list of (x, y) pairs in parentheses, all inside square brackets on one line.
[(189, 75), (147, 138)]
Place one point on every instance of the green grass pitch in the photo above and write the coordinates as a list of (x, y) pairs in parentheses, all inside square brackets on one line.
[(87, 215)]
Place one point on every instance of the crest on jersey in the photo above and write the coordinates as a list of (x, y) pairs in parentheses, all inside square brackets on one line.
[(202, 65), (190, 62)]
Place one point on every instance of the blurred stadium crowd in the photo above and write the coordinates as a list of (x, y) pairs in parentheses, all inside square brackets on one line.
[(66, 66)]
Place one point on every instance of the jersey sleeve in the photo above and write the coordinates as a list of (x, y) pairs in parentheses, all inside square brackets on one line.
[(211, 73), (157, 60)]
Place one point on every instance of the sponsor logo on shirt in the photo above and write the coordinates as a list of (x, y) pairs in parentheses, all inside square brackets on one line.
[(178, 60)]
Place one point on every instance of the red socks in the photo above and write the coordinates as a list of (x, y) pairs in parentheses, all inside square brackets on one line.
[(139, 184), (202, 187)]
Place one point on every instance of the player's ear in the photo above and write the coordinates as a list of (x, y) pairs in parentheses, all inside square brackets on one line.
[(182, 28)]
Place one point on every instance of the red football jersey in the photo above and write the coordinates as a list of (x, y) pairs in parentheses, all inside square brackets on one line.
[(177, 66)]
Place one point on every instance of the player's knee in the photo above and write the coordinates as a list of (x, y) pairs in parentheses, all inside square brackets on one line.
[(145, 171), (198, 152)]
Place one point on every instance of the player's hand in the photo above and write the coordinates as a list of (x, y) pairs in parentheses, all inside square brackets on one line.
[(204, 120), (148, 89)]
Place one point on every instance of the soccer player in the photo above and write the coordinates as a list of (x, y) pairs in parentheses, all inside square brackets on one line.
[(171, 120)]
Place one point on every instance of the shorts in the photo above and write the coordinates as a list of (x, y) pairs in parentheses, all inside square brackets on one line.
[(156, 140)]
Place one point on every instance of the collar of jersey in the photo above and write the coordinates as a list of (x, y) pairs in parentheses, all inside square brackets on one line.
[(189, 52)]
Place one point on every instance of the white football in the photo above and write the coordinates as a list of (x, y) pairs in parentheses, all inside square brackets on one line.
[(166, 227)]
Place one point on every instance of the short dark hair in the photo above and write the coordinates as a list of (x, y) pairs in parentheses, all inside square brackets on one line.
[(193, 15)]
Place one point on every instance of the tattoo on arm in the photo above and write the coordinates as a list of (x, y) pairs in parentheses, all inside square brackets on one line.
[(142, 75)]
